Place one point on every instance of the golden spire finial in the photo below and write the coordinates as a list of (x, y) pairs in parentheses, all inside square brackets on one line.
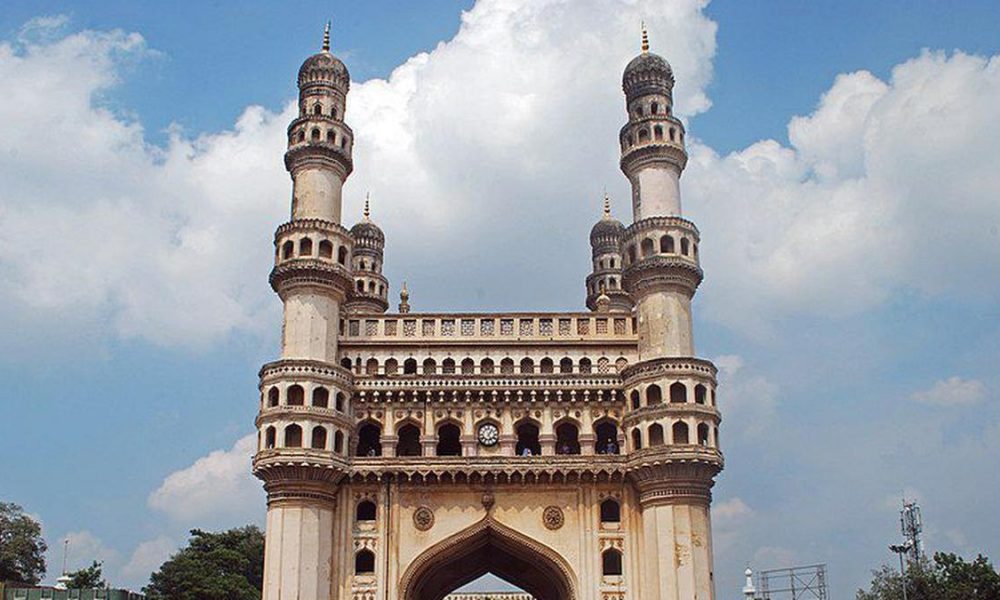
[(645, 39), (607, 206), (326, 37), (368, 211)]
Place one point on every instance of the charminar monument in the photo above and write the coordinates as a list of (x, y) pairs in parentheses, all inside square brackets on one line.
[(406, 454)]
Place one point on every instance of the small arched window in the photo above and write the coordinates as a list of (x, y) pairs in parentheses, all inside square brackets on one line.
[(302, 136), (699, 394), (318, 110), (507, 366), (486, 366), (527, 440), (272, 396), (364, 562), (321, 397), (703, 434), (342, 255), (325, 249), (678, 392), (667, 244), (654, 108), (430, 366), (365, 511), (345, 363), (656, 434), (680, 433), (586, 366), (527, 366), (287, 249), (567, 439), (269, 436), (319, 438), (293, 436), (391, 366), (611, 562), (654, 395), (647, 247), (468, 366), (371, 366), (658, 132), (673, 134), (684, 246), (611, 511), (295, 396), (314, 135), (338, 443), (643, 135), (305, 247), (636, 401), (448, 367), (331, 136), (636, 439), (333, 112), (410, 366), (631, 253), (546, 366), (369, 440), (340, 401)]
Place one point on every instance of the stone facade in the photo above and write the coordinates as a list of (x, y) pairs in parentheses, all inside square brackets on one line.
[(406, 454)]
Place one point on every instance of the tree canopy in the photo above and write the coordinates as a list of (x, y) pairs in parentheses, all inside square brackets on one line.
[(22, 549), (86, 578), (947, 577), (214, 566)]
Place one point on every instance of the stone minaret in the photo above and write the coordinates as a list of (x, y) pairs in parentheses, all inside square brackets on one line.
[(304, 421), (672, 468), (606, 253), (371, 289)]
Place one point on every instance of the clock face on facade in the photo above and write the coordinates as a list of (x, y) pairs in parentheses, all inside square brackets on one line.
[(489, 435)]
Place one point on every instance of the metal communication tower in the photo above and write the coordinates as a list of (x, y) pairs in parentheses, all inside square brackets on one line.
[(912, 525), (795, 583)]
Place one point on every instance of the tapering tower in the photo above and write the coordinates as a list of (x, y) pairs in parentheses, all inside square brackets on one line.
[(304, 421), (371, 289), (672, 418), (606, 252)]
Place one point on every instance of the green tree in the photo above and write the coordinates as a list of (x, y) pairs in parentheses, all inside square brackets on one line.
[(947, 577), (214, 566), (22, 549), (86, 578)]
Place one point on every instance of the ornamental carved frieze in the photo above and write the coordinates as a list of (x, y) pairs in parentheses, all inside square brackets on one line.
[(423, 518), (552, 518)]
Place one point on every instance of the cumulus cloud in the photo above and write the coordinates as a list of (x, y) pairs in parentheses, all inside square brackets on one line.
[(84, 547), (748, 399), (146, 558), (886, 186), (953, 391), (217, 486)]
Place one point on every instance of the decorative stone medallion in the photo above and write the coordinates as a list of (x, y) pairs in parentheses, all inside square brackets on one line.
[(552, 517), (423, 518)]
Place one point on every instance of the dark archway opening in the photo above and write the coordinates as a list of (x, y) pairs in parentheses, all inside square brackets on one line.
[(409, 441), (567, 439), (527, 440), (369, 440), (493, 549), (606, 434), (449, 440)]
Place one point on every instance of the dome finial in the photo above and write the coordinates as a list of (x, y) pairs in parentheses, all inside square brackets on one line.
[(607, 206), (645, 39), (326, 37), (404, 300), (368, 211)]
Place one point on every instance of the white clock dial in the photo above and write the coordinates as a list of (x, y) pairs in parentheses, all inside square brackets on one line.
[(489, 435)]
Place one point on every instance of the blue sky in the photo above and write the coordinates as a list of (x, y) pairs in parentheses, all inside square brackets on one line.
[(851, 292)]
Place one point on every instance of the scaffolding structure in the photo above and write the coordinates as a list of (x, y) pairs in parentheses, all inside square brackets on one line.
[(794, 583), (912, 525)]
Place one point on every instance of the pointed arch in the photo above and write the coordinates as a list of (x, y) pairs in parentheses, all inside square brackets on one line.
[(488, 546)]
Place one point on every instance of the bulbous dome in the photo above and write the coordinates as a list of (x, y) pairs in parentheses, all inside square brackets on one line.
[(606, 228), (647, 73), (324, 68), (367, 229)]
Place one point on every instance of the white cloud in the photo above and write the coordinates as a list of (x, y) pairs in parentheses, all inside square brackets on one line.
[(146, 558), (84, 547), (953, 391), (217, 486), (886, 186), (731, 510)]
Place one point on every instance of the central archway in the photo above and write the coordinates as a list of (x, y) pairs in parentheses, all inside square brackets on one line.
[(488, 547)]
